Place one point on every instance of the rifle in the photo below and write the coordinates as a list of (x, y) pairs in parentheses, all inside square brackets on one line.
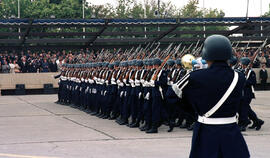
[(165, 52), (195, 47), (197, 52), (255, 56), (243, 51), (164, 62)]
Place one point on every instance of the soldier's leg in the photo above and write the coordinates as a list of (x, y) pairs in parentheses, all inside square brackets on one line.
[(257, 123)]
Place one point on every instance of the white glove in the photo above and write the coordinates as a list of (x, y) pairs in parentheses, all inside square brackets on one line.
[(152, 83), (104, 93), (137, 82), (140, 94), (121, 94), (125, 81), (131, 81), (147, 96)]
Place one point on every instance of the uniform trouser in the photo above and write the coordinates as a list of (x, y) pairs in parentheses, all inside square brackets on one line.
[(134, 107), (126, 103), (99, 98), (60, 91), (88, 100), (147, 106), (243, 110), (117, 103), (139, 104), (65, 93), (69, 94), (94, 101), (156, 110)]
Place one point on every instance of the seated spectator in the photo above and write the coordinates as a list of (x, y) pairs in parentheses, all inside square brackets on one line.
[(17, 67), (262, 59)]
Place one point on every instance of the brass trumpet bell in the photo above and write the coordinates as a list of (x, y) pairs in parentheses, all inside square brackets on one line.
[(187, 61)]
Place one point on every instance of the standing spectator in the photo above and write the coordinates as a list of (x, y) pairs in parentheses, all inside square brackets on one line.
[(53, 65), (32, 66), (60, 62), (5, 67), (263, 77), (24, 65), (45, 66)]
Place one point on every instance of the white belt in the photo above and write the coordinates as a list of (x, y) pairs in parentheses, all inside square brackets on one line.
[(217, 121)]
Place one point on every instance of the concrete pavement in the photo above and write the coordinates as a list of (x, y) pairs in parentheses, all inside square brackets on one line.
[(33, 126)]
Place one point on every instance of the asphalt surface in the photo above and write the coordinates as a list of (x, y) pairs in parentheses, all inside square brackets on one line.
[(33, 126)]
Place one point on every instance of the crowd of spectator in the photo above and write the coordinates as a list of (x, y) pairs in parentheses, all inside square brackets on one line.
[(263, 57), (43, 61), (52, 61)]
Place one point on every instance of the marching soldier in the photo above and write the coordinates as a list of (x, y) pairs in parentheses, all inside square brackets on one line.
[(215, 95), (245, 109)]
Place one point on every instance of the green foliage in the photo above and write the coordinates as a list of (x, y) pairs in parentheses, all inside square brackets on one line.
[(43, 9)]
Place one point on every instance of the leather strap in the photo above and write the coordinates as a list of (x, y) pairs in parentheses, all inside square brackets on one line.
[(224, 97), (217, 121)]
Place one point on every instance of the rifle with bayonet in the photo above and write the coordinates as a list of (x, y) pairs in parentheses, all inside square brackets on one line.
[(253, 58)]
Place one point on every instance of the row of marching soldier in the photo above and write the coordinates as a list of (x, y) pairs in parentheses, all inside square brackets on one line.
[(135, 92)]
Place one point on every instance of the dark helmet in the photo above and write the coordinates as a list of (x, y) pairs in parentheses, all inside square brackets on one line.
[(170, 62), (178, 62), (217, 47), (156, 61), (245, 60), (233, 60)]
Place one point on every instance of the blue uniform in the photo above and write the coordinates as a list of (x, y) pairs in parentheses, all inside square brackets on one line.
[(203, 89)]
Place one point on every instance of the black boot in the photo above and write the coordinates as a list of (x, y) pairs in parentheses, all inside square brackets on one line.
[(152, 130), (135, 124), (142, 128), (118, 120), (253, 125), (259, 124), (190, 127), (113, 117), (146, 127), (171, 126), (57, 102), (123, 122), (132, 122), (106, 116), (243, 125), (99, 114)]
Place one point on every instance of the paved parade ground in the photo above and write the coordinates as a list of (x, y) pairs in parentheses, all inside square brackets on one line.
[(33, 126)]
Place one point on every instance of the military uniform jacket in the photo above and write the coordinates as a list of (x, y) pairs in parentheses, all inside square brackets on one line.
[(250, 83), (203, 89)]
